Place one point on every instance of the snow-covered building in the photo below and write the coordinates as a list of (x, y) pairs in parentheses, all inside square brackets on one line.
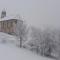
[(8, 23)]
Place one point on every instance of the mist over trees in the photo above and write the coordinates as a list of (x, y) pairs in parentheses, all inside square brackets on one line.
[(45, 43)]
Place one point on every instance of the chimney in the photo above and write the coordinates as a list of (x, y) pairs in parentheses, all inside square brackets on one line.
[(3, 14)]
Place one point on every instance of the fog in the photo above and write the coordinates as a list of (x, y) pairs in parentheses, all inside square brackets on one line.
[(39, 13)]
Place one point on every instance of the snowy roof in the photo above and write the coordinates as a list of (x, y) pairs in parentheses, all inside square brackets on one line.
[(9, 17)]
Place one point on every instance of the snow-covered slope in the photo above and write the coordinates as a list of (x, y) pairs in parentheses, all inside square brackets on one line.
[(11, 52), (8, 52)]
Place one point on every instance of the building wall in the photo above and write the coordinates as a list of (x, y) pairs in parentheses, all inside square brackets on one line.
[(8, 26)]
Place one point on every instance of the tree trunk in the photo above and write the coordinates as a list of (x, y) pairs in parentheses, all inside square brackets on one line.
[(20, 42)]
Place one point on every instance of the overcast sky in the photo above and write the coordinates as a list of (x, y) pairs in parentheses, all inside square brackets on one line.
[(35, 12)]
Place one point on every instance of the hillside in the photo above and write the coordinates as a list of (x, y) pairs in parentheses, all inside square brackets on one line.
[(9, 51)]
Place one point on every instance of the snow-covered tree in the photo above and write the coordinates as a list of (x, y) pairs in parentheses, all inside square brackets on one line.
[(21, 31), (34, 39), (49, 44)]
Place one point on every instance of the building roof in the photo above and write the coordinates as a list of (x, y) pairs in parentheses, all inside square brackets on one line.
[(9, 17)]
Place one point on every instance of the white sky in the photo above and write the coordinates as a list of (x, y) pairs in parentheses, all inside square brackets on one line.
[(35, 12)]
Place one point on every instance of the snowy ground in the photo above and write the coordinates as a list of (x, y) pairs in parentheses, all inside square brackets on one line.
[(11, 52), (8, 52)]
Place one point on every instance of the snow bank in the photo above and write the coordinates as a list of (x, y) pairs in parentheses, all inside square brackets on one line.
[(6, 38)]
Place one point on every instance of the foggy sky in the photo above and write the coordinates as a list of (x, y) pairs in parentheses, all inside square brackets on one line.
[(36, 12)]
